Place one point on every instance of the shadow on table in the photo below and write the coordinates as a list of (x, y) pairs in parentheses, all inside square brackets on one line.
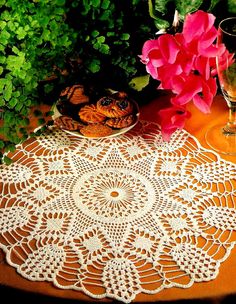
[(8, 295)]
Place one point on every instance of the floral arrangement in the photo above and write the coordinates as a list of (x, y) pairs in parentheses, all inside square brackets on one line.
[(185, 63)]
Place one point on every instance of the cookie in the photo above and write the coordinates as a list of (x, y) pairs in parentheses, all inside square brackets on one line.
[(113, 108), (121, 122), (90, 114), (67, 123), (74, 94), (96, 130)]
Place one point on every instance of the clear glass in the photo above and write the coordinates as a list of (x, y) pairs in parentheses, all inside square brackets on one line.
[(222, 138)]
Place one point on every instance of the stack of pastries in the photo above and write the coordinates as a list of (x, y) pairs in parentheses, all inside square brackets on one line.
[(95, 119)]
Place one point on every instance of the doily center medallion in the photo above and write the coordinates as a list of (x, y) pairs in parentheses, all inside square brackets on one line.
[(114, 194)]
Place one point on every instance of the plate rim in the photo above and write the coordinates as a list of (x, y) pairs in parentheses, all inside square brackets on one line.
[(56, 114)]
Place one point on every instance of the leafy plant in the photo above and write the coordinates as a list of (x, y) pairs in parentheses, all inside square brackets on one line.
[(110, 35), (34, 37), (162, 11)]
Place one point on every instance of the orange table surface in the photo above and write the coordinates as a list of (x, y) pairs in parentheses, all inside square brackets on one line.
[(224, 284)]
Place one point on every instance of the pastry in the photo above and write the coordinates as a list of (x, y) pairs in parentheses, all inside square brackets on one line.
[(90, 114), (120, 95), (67, 123), (121, 122), (75, 94), (112, 107), (96, 130)]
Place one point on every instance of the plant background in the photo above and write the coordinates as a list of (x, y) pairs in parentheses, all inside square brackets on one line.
[(46, 45)]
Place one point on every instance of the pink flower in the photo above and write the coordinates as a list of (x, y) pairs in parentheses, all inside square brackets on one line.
[(197, 25), (159, 52), (172, 118), (195, 88), (185, 64)]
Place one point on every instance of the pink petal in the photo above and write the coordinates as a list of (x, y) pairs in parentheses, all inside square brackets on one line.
[(148, 46), (172, 118), (156, 58), (178, 83), (152, 70), (204, 100), (202, 65), (191, 87), (166, 74), (207, 39), (196, 24), (168, 47)]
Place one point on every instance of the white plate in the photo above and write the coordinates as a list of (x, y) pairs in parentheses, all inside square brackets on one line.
[(115, 132)]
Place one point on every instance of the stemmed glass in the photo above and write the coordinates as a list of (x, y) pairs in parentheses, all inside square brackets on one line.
[(222, 138)]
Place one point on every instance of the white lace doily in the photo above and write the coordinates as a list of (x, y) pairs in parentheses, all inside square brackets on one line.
[(118, 216)]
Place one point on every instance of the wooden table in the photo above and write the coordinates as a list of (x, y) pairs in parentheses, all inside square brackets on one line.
[(224, 284)]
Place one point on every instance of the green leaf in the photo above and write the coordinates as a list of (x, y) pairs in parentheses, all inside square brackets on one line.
[(19, 106), (105, 4), (104, 49), (4, 37), (49, 113), (7, 160), (94, 66), (12, 25), (161, 23), (15, 62), (12, 102), (60, 2), (6, 15), (96, 3), (2, 59), (214, 3), (8, 91), (125, 36), (94, 34), (2, 84), (187, 6), (2, 144), (2, 101), (105, 16), (161, 6), (8, 117), (41, 121), (151, 9), (21, 33), (138, 83), (96, 46), (2, 24), (15, 50), (24, 122), (48, 88), (232, 6), (10, 147), (110, 34), (101, 39)]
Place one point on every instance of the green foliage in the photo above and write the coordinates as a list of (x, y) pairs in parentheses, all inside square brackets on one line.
[(161, 10), (232, 6), (33, 38), (110, 38), (138, 83)]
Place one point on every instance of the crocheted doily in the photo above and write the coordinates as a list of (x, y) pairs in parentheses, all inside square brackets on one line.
[(115, 217)]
